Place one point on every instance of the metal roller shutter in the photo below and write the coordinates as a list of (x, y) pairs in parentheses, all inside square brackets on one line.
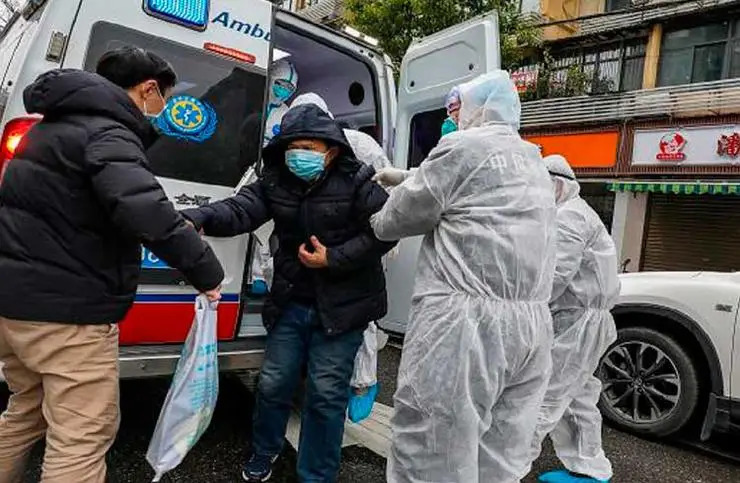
[(598, 196), (687, 233)]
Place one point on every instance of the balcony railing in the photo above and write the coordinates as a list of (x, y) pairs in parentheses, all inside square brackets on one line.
[(693, 100)]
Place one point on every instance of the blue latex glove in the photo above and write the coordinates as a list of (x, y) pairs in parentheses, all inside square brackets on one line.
[(360, 406), (259, 287), (565, 476)]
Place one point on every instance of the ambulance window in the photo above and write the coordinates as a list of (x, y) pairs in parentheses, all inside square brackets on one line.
[(426, 130), (232, 92), (346, 81)]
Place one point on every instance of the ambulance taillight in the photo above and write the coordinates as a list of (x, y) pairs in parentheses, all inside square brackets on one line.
[(13, 134)]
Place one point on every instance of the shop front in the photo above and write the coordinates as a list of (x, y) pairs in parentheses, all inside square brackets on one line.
[(687, 182), (593, 156)]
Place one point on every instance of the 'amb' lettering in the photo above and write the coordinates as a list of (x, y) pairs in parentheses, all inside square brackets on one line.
[(246, 28)]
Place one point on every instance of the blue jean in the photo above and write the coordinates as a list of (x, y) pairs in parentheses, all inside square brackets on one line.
[(299, 338)]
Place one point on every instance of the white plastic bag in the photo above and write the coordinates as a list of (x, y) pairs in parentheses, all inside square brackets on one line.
[(192, 397), (366, 361)]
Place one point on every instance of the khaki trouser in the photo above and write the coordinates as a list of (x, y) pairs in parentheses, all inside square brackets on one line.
[(64, 384)]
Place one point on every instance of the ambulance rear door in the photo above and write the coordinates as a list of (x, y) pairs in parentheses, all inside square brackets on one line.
[(430, 69), (220, 50)]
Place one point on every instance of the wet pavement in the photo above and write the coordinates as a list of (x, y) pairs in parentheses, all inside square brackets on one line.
[(217, 458)]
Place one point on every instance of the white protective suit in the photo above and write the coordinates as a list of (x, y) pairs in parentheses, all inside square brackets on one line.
[(476, 357), (585, 289), (283, 85)]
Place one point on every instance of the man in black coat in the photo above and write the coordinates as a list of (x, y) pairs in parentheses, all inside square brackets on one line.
[(328, 283), (75, 205)]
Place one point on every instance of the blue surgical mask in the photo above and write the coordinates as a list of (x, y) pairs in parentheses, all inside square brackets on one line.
[(305, 164), (281, 93), (449, 126)]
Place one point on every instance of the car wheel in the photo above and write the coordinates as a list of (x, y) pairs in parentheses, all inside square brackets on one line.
[(650, 384)]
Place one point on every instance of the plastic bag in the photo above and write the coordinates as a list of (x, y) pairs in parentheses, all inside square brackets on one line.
[(366, 360), (192, 397)]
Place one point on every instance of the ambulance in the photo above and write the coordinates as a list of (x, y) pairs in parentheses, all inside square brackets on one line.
[(222, 51)]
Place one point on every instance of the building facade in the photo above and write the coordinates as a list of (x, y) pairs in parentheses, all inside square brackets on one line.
[(644, 101), (643, 98)]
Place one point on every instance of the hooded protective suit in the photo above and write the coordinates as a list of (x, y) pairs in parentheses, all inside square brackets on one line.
[(476, 357), (283, 85), (585, 289)]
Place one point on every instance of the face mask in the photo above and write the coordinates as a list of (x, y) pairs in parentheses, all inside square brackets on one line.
[(281, 93), (152, 116), (449, 126), (305, 164)]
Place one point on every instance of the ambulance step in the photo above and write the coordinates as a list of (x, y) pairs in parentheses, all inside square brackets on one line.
[(161, 360)]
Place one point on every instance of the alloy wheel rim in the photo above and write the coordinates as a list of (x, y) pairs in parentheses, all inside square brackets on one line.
[(641, 384)]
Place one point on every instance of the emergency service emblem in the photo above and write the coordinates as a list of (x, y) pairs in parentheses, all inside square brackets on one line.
[(188, 118)]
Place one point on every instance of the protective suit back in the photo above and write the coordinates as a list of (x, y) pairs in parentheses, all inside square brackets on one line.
[(489, 209), (476, 357), (586, 274), (585, 288)]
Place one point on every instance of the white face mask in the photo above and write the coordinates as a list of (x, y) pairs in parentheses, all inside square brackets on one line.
[(151, 115)]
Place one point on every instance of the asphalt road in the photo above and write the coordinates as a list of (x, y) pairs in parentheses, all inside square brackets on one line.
[(219, 455)]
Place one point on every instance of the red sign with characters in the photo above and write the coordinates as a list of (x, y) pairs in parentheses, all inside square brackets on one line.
[(671, 147), (729, 145)]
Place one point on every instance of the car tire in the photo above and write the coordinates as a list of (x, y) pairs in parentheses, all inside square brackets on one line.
[(657, 404)]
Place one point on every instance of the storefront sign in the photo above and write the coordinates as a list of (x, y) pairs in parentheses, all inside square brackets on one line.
[(695, 146), (587, 150), (729, 145)]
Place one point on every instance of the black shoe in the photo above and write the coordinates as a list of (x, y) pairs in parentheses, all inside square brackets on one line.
[(258, 469)]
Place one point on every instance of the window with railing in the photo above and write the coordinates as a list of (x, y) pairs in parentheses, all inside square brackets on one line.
[(599, 69), (700, 53)]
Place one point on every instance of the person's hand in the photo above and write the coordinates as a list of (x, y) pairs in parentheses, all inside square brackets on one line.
[(317, 259), (391, 176), (213, 295), (191, 225)]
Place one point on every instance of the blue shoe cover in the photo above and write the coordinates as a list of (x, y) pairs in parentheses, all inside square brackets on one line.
[(565, 476), (360, 407), (259, 287)]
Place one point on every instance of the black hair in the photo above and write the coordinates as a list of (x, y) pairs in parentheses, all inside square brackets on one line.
[(129, 66)]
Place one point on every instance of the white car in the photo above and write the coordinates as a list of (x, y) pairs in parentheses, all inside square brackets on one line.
[(672, 365)]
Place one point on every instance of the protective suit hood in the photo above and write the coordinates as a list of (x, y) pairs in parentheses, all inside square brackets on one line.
[(563, 177), (490, 99), (311, 98)]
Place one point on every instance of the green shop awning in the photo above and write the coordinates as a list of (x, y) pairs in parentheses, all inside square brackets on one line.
[(677, 188)]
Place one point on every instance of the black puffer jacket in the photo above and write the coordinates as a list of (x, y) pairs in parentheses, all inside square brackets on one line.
[(76, 203), (336, 209)]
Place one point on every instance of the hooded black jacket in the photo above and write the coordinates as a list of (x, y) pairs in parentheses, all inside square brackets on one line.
[(77, 201), (336, 209)]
